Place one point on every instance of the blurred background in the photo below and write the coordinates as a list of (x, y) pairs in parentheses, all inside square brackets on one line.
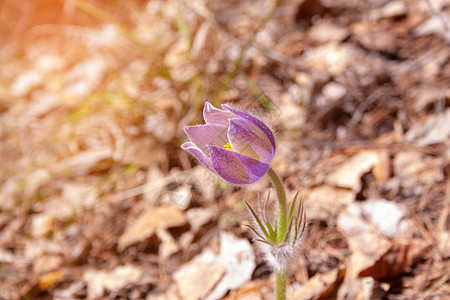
[(98, 201)]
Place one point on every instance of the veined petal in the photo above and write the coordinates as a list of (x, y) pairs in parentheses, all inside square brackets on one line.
[(203, 135), (215, 116), (264, 130), (235, 167), (199, 154), (246, 138)]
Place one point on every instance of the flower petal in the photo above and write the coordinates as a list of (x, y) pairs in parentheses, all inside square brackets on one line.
[(246, 138), (215, 116), (235, 167), (264, 130), (203, 135), (199, 154)]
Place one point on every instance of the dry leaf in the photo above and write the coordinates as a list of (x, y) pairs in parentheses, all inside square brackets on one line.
[(168, 244), (418, 166), (47, 263), (113, 280), (325, 200), (318, 286), (435, 129), (325, 31), (50, 279), (197, 279), (348, 175), (210, 275), (149, 221), (398, 259), (237, 256)]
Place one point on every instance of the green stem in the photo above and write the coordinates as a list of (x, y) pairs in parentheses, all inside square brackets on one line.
[(281, 285), (281, 213), (281, 231)]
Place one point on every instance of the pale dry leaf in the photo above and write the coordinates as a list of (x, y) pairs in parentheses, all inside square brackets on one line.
[(325, 31), (392, 9), (361, 289), (437, 24), (113, 280), (348, 174), (291, 112), (198, 217), (168, 244), (149, 221), (84, 77), (47, 263), (78, 195), (176, 59), (419, 167), (328, 58), (142, 151), (25, 82), (6, 256), (444, 243), (83, 162), (318, 286), (210, 275), (70, 291), (197, 279), (42, 224), (398, 259), (325, 200), (43, 102), (389, 217), (435, 129), (333, 91), (238, 258), (365, 241)]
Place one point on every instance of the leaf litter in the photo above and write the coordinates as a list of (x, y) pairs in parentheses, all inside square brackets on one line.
[(98, 201)]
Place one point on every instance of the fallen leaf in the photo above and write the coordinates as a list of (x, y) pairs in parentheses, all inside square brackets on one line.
[(435, 129), (47, 280), (418, 166), (113, 280), (319, 286), (237, 256), (197, 279), (47, 263), (398, 259), (168, 244), (348, 175), (210, 276), (325, 200), (325, 31), (149, 221)]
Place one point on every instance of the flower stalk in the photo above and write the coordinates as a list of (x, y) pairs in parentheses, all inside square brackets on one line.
[(281, 231), (239, 148), (281, 195)]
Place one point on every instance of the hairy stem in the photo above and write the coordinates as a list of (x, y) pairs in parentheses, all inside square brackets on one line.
[(281, 285), (281, 213), (281, 231)]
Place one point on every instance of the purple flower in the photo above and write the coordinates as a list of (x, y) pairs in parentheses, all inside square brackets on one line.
[(232, 143)]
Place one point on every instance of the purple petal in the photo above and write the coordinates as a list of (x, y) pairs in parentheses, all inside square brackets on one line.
[(266, 131), (215, 116), (246, 138), (201, 156), (235, 167), (204, 135)]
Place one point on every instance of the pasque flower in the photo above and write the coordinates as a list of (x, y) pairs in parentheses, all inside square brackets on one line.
[(233, 143)]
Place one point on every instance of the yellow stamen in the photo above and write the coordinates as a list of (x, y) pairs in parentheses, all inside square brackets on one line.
[(228, 146)]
